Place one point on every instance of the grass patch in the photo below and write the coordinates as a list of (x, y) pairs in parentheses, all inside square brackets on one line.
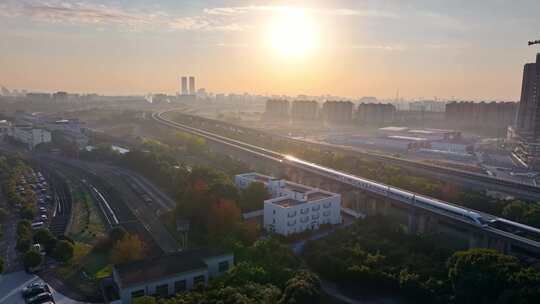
[(87, 225), (104, 272), (95, 262), (84, 272)]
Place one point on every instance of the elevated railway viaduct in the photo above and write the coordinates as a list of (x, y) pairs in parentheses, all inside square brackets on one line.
[(365, 201)]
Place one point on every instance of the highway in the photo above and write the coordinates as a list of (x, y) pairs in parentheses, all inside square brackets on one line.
[(439, 207)]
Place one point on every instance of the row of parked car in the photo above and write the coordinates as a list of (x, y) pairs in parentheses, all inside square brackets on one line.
[(37, 293), (37, 183)]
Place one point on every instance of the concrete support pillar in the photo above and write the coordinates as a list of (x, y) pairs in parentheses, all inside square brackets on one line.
[(477, 240), (421, 222), (411, 223), (499, 245)]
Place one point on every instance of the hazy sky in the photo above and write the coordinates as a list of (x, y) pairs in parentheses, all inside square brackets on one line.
[(453, 48)]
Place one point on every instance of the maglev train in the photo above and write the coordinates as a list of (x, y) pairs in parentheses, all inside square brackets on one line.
[(391, 192)]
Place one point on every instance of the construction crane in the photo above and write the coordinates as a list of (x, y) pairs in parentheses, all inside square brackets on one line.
[(534, 42)]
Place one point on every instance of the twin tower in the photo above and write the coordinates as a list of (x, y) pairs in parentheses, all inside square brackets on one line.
[(184, 85)]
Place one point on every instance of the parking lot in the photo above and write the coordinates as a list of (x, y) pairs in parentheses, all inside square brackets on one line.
[(11, 285)]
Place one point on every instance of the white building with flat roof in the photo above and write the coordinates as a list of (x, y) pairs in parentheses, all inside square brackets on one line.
[(294, 208)]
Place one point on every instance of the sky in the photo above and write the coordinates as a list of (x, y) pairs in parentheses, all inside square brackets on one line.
[(423, 48)]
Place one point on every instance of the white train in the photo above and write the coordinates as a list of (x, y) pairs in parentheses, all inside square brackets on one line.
[(391, 192)]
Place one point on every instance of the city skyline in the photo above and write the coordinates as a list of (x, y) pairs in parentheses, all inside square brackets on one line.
[(346, 48)]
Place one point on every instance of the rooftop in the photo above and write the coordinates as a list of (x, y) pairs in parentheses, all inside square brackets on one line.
[(314, 196), (259, 177), (287, 202), (407, 138), (159, 267), (297, 188), (394, 129)]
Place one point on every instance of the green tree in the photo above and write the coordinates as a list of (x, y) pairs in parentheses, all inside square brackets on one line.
[(145, 300), (515, 210), (46, 238), (275, 258), (253, 196), (23, 245), (303, 288), (32, 259), (532, 217), (526, 287), (117, 233), (129, 248), (3, 214), (28, 212), (480, 275), (63, 251), (24, 229)]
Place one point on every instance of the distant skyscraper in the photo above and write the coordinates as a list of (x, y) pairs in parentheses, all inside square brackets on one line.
[(184, 90), (527, 125), (192, 85), (528, 115)]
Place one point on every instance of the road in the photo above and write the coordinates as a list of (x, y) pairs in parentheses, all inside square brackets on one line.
[(12, 262), (12, 283)]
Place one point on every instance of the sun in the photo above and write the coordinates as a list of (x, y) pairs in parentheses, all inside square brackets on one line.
[(293, 34)]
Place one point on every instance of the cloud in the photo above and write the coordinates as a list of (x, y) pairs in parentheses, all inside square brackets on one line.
[(232, 45), (379, 47), (242, 10), (64, 12), (223, 19)]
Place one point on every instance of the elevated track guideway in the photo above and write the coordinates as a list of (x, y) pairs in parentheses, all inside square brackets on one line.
[(518, 234)]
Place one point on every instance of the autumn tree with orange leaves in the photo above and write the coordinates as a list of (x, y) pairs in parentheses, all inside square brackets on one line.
[(129, 248)]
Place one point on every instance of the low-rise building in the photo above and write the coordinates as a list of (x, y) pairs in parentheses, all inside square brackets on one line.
[(70, 130), (169, 274), (294, 208), (454, 146), (29, 135), (4, 129)]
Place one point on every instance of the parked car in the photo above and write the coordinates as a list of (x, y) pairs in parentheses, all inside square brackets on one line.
[(40, 298), (37, 225), (35, 289)]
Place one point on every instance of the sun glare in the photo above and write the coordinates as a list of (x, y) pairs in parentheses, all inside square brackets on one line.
[(293, 33)]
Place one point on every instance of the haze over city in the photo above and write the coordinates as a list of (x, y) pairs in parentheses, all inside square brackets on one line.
[(273, 152), (450, 49)]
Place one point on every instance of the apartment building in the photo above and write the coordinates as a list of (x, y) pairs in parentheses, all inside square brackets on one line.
[(294, 208)]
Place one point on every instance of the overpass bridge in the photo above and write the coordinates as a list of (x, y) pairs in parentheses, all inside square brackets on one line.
[(422, 213)]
